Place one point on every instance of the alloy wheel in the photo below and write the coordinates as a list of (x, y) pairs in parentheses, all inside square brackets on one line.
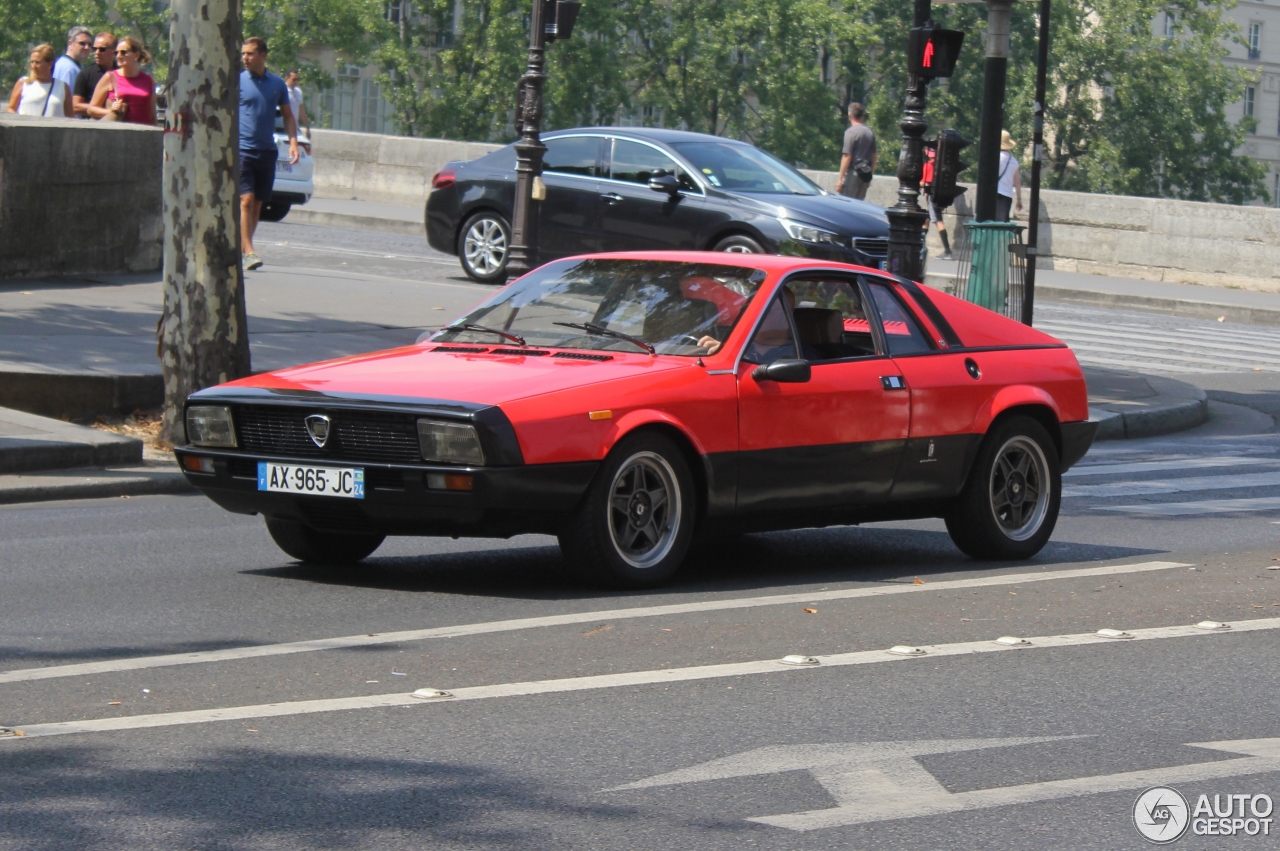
[(1019, 488), (485, 246), (644, 509)]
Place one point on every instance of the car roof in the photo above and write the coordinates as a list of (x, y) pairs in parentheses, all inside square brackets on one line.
[(651, 134), (764, 262)]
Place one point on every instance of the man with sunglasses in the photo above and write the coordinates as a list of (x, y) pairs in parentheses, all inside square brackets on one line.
[(104, 60), (79, 45)]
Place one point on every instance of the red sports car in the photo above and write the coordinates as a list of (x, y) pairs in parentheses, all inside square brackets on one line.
[(626, 402)]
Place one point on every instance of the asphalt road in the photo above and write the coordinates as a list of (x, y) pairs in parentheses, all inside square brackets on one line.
[(226, 698)]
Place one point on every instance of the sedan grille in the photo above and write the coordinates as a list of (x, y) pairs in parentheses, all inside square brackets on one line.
[(877, 247), (354, 435)]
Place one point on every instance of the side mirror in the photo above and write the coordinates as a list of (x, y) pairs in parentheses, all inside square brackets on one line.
[(664, 183), (786, 371)]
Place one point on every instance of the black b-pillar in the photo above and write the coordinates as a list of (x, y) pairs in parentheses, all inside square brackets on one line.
[(995, 72), (906, 218), (529, 151)]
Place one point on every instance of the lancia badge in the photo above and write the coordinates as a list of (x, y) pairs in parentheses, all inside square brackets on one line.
[(318, 428)]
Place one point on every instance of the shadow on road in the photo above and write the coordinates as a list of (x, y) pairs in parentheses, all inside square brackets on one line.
[(772, 561)]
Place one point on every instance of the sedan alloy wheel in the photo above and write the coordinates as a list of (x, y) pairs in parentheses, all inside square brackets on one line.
[(486, 243)]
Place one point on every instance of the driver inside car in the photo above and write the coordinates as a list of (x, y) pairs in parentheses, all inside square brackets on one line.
[(774, 333)]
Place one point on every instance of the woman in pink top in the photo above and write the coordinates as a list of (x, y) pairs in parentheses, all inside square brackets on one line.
[(126, 92)]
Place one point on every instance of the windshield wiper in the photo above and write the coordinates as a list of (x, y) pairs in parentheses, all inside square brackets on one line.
[(592, 328), (471, 326)]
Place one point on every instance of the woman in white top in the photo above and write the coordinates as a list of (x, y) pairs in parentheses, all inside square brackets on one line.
[(39, 93), (1009, 181)]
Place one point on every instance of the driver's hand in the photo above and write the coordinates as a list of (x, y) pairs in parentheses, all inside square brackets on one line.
[(711, 344)]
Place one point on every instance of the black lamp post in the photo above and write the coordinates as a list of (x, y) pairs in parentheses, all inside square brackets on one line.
[(551, 19), (906, 218)]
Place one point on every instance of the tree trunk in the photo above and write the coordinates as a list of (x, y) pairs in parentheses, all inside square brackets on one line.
[(203, 334)]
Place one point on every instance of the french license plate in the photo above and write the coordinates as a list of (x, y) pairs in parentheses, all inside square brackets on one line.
[(320, 481), (286, 167)]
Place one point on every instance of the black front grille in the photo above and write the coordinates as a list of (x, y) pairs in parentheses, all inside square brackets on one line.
[(354, 435), (878, 247)]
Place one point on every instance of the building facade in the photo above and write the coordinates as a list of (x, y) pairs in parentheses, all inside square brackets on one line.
[(1259, 22)]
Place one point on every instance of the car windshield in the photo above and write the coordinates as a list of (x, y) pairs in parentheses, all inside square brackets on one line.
[(618, 305), (742, 168)]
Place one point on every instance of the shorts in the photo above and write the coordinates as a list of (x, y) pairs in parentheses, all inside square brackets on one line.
[(258, 173), (933, 211)]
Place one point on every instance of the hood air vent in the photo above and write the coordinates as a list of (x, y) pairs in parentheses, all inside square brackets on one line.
[(581, 356), (462, 350), (528, 352)]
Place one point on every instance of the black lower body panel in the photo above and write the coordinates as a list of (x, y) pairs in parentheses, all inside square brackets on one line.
[(503, 501), (1076, 440)]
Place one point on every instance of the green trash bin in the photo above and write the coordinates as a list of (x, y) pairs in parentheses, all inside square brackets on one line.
[(994, 278)]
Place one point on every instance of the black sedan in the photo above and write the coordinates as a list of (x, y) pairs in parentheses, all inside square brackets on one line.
[(632, 188)]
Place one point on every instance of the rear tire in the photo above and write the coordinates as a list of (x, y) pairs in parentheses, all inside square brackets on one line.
[(274, 211), (635, 523), (313, 546), (739, 244), (484, 247), (1009, 506)]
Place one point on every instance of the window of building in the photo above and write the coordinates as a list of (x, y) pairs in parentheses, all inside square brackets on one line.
[(1249, 94), (1255, 40), (396, 10), (1170, 24), (1275, 195)]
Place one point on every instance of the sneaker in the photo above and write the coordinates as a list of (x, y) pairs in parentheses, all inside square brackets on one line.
[(945, 256), (252, 261)]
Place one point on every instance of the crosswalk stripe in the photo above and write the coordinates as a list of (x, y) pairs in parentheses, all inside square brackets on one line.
[(1185, 509), (1191, 483), (1170, 464), (1172, 356), (1160, 342), (1213, 338)]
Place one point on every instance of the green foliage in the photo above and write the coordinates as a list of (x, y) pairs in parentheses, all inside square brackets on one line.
[(27, 23)]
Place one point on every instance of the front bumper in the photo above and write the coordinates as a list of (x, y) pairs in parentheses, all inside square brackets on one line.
[(503, 501)]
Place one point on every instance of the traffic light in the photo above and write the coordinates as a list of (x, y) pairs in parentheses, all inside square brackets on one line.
[(932, 51), (558, 17), (947, 168)]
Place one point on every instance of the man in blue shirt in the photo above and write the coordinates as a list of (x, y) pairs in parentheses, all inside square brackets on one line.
[(261, 93), (67, 68)]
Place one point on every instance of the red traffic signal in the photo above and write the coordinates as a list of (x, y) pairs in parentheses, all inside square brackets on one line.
[(932, 51)]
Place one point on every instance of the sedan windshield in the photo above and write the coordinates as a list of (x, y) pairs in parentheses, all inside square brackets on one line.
[(618, 305), (742, 168)]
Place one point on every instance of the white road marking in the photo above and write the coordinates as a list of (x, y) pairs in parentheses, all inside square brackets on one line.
[(1190, 483), (345, 642), (1170, 464), (1205, 506), (881, 781), (607, 681)]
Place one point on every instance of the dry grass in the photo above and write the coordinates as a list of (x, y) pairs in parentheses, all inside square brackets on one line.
[(144, 425)]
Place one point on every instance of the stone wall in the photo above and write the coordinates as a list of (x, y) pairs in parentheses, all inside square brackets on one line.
[(79, 197), (1147, 238)]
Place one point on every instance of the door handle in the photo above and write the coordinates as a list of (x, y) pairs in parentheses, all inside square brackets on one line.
[(893, 382), (611, 197)]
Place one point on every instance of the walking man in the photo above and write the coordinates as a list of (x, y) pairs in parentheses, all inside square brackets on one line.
[(858, 156), (291, 80), (79, 46), (104, 60), (261, 93)]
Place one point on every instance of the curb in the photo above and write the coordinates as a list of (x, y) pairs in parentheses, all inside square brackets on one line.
[(79, 395), (1167, 419), (111, 450), (94, 485), (349, 220)]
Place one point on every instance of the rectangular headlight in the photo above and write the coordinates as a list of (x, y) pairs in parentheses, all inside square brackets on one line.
[(208, 425), (449, 443)]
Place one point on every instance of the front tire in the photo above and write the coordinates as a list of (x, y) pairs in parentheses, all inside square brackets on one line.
[(313, 546), (635, 523), (1009, 506), (484, 247), (739, 244)]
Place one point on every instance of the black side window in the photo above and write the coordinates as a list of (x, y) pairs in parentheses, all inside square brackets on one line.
[(901, 330), (831, 319), (572, 155), (636, 163), (773, 339)]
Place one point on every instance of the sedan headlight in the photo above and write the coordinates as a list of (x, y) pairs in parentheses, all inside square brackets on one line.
[(808, 233), (449, 443), (209, 425)]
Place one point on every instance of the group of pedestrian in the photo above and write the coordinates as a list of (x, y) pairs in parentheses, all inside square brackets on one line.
[(858, 165), (113, 87)]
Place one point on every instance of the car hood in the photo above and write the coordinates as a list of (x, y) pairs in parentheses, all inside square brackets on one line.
[(847, 216), (431, 373)]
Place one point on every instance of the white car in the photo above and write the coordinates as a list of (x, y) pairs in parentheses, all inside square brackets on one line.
[(294, 183)]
